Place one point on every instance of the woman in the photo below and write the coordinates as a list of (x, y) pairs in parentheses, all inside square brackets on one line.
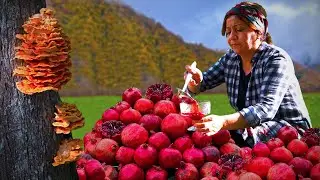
[(260, 79)]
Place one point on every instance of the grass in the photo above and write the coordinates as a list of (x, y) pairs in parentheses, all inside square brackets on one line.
[(92, 107)]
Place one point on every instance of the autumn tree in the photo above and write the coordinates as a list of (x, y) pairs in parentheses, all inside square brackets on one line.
[(28, 142)]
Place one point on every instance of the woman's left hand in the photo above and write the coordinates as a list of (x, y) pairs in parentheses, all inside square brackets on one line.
[(210, 124)]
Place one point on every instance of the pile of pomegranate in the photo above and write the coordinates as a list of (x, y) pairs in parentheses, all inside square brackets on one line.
[(146, 138)]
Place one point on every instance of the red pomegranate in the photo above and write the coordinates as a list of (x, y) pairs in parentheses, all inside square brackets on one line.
[(159, 91), (315, 172), (183, 143), (210, 178), (145, 156), (164, 107), (81, 174), (312, 137), (274, 143), (281, 171), (200, 139), (110, 172), (176, 101), (144, 106), (169, 158), (129, 116), (112, 130), (83, 160), (110, 114), (174, 125), (221, 137), (94, 170), (131, 95), (297, 147), (134, 135), (121, 106), (287, 134), (106, 151), (281, 154), (211, 154), (260, 166), (90, 146), (156, 173), (313, 155), (131, 172), (230, 148), (249, 176), (125, 155), (186, 171), (246, 154), (209, 169), (194, 156), (301, 166), (159, 141), (91, 135), (260, 150), (151, 122)]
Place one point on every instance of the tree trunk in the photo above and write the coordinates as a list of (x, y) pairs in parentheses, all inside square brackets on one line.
[(28, 142)]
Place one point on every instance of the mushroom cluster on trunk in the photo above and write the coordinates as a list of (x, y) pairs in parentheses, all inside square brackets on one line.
[(43, 59), (67, 118), (69, 150)]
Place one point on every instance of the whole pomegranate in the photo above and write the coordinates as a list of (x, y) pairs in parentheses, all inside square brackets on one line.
[(144, 106), (110, 114), (174, 125), (164, 107), (186, 171), (131, 172), (134, 135), (287, 134), (121, 106), (131, 95), (281, 171), (169, 158), (145, 156), (106, 151), (156, 173)]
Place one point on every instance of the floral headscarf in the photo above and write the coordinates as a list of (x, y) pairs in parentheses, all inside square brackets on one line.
[(252, 13)]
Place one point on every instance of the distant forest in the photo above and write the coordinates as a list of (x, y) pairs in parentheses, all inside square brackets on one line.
[(114, 47)]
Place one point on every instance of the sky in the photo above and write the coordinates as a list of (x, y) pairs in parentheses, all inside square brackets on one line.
[(293, 24)]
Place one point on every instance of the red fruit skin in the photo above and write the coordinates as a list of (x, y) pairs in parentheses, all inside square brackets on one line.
[(164, 107), (90, 146), (211, 154), (313, 154), (297, 147), (125, 155), (83, 160), (94, 170), (234, 175), (274, 143), (209, 169), (281, 171), (151, 122), (169, 158), (110, 172), (201, 140), (186, 171), (110, 114), (97, 127), (106, 151), (210, 178), (133, 135), (301, 166), (156, 173), (287, 134), (182, 143), (89, 136), (131, 95), (260, 150), (281, 154), (174, 126), (129, 116), (159, 141), (176, 101), (221, 137), (145, 156), (121, 106), (230, 148), (144, 106), (81, 174), (315, 172), (246, 154), (194, 156), (260, 166), (131, 172), (249, 176)]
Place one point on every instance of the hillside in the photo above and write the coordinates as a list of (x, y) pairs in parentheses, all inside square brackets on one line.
[(114, 47)]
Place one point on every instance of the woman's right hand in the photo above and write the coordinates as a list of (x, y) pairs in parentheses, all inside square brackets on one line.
[(196, 75)]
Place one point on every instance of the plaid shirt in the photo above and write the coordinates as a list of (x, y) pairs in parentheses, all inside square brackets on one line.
[(273, 97)]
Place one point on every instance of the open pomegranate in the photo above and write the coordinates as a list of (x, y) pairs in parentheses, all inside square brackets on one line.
[(159, 91)]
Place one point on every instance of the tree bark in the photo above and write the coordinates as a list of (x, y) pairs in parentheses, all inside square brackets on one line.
[(28, 142)]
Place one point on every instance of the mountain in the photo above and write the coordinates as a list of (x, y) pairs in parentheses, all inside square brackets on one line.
[(115, 47)]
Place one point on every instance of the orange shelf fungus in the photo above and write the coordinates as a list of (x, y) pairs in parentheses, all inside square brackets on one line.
[(43, 56), (67, 118), (69, 151)]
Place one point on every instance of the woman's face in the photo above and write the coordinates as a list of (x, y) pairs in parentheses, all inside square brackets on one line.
[(241, 38)]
